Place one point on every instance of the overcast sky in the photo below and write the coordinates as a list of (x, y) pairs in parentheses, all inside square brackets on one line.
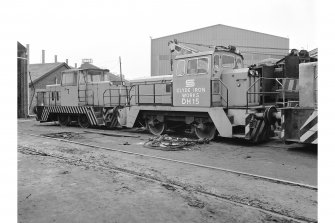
[(106, 29)]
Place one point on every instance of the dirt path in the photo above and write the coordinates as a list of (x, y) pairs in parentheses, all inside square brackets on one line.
[(273, 159), (53, 191)]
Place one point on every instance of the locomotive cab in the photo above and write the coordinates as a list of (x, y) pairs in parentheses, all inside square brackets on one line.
[(85, 96), (76, 86), (204, 79)]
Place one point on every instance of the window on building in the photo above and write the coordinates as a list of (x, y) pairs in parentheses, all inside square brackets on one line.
[(202, 66), (180, 68), (69, 79), (227, 61)]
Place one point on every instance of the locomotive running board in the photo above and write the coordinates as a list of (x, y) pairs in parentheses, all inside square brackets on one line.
[(217, 114)]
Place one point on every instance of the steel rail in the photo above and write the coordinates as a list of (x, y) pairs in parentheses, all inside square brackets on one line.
[(175, 184), (275, 180)]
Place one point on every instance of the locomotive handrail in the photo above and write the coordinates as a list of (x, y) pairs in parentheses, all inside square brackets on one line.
[(315, 93), (116, 96), (251, 86), (279, 82), (154, 95), (272, 92), (86, 96), (225, 86), (55, 98)]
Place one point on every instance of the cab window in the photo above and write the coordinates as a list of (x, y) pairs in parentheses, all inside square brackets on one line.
[(198, 66), (239, 63), (69, 79), (227, 61), (192, 66), (94, 76), (202, 66), (180, 68)]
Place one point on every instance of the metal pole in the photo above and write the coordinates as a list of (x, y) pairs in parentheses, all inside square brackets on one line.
[(28, 73), (121, 80), (120, 68), (154, 86)]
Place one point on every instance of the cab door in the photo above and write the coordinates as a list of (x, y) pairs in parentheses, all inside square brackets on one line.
[(69, 88), (191, 82)]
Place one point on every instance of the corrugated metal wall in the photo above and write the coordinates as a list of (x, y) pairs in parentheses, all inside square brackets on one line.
[(219, 35)]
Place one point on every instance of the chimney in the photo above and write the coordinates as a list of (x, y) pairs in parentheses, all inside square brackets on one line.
[(43, 56), (75, 65), (67, 61), (55, 58)]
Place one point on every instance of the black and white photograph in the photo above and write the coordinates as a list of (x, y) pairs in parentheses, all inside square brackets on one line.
[(165, 111)]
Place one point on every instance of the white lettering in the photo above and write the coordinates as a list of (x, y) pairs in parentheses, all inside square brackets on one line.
[(190, 95)]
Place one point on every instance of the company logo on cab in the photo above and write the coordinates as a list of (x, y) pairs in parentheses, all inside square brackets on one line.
[(190, 83)]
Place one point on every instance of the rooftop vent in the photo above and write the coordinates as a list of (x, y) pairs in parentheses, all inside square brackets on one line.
[(87, 61)]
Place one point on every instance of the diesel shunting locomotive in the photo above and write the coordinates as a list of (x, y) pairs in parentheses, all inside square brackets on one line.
[(209, 93)]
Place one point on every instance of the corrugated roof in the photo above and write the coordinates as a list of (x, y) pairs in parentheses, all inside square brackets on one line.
[(88, 66), (218, 25), (37, 71)]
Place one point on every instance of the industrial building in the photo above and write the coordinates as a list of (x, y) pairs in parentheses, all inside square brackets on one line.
[(254, 46)]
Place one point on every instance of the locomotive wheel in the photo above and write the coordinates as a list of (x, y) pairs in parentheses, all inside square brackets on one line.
[(83, 121), (155, 127), (205, 131), (63, 120)]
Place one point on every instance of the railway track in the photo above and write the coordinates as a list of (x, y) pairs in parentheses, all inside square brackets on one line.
[(274, 180), (280, 216)]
